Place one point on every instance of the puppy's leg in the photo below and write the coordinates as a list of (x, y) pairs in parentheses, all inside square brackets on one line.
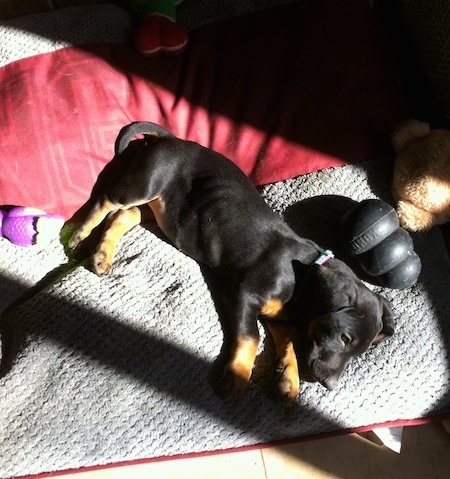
[(264, 289), (239, 368), (96, 215), (117, 225), (288, 378), (245, 342)]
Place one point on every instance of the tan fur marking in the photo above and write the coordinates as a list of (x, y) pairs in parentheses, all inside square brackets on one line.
[(272, 308), (116, 227), (94, 218), (241, 363), (158, 207), (288, 382)]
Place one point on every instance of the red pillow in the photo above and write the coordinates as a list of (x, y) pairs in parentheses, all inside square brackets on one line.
[(281, 92)]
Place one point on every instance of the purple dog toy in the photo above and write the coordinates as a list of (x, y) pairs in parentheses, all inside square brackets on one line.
[(25, 226)]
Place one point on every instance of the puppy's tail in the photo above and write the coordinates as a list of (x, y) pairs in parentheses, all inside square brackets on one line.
[(414, 218), (127, 133)]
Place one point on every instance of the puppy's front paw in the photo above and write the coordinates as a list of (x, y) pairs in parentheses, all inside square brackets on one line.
[(101, 263), (239, 368), (234, 380), (288, 383)]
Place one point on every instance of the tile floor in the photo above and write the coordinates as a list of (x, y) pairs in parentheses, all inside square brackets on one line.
[(425, 454)]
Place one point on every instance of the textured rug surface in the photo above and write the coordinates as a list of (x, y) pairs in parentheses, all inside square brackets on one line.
[(116, 368)]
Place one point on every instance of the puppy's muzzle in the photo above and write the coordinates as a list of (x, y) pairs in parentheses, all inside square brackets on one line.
[(330, 382)]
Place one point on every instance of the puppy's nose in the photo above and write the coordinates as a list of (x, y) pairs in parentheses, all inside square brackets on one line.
[(330, 383)]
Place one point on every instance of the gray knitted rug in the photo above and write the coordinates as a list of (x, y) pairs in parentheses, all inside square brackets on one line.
[(116, 369)]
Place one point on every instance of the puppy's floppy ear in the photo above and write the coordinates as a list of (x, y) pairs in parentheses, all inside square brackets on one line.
[(388, 322)]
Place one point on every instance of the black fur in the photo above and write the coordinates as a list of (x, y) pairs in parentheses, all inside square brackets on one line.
[(212, 212)]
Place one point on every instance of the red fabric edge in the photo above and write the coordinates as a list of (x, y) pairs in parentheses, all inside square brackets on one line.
[(313, 437)]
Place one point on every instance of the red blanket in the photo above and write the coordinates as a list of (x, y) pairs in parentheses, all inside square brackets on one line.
[(281, 92)]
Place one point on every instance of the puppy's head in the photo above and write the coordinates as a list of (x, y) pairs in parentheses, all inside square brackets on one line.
[(344, 319)]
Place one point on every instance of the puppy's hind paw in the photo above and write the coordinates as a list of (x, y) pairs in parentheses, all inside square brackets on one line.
[(74, 241)]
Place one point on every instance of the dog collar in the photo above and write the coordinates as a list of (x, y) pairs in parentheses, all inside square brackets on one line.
[(323, 257), (304, 288)]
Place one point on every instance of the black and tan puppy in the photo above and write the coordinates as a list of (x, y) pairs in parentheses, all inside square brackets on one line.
[(318, 312)]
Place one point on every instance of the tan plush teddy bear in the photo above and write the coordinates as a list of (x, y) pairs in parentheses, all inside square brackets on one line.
[(421, 181)]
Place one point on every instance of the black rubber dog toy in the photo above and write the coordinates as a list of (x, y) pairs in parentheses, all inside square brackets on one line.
[(371, 233)]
